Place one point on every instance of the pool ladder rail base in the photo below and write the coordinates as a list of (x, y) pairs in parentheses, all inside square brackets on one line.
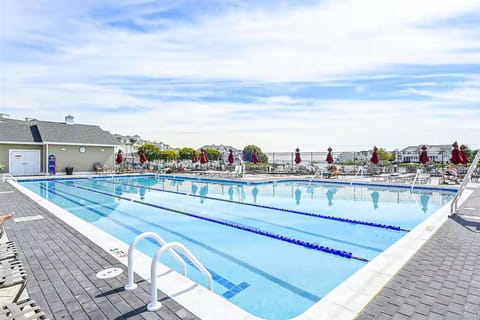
[(170, 247)]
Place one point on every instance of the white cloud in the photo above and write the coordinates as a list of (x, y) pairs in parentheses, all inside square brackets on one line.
[(325, 43)]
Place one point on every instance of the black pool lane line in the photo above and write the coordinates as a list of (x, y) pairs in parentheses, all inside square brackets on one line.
[(226, 283), (306, 244), (310, 214)]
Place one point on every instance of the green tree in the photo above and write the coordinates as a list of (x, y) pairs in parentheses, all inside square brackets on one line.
[(152, 152), (384, 155), (213, 154), (185, 153), (470, 153), (168, 155), (248, 152)]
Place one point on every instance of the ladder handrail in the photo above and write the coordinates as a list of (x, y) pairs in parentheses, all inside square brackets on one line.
[(415, 179), (131, 285), (360, 169), (468, 176), (7, 176), (242, 174), (154, 304), (159, 172)]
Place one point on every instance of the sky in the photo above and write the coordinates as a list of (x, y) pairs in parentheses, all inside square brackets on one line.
[(277, 74)]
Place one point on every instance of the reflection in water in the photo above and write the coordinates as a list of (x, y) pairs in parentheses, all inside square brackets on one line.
[(119, 189), (330, 194), (194, 188), (298, 196), (230, 193), (142, 193), (424, 201), (310, 190), (254, 194), (241, 192), (375, 195), (203, 192)]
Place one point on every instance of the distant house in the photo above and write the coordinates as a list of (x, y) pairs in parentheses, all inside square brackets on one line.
[(25, 146), (437, 153), (131, 144)]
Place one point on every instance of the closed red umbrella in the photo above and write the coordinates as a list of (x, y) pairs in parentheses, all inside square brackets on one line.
[(374, 158), (463, 154), (143, 157), (455, 154), (119, 158), (254, 156), (423, 155), (203, 156), (194, 156), (329, 156), (230, 157), (298, 159)]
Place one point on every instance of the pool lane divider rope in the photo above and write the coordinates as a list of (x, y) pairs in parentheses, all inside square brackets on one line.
[(232, 288), (310, 214), (306, 244)]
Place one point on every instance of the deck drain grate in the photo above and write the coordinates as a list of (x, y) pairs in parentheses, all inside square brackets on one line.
[(109, 273)]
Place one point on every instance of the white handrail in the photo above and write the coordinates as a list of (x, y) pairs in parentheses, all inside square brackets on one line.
[(361, 169), (415, 179), (468, 176), (154, 304), (242, 174), (317, 172), (8, 176), (131, 285), (159, 172)]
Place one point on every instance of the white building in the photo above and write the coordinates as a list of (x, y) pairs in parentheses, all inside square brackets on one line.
[(437, 153), (130, 144)]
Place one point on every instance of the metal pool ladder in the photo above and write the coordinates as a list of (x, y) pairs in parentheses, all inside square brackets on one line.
[(415, 179), (154, 304), (131, 285), (360, 170), (468, 176), (8, 176)]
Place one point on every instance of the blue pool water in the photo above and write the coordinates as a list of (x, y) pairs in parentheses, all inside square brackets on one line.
[(273, 249)]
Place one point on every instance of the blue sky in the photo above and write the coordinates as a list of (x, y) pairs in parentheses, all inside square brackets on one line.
[(278, 74)]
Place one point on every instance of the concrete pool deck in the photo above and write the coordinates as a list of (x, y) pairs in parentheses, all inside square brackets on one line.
[(54, 232)]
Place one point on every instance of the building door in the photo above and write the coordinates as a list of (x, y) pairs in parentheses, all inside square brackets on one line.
[(24, 162)]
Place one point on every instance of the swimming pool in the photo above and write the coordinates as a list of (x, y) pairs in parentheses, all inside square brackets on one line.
[(273, 249)]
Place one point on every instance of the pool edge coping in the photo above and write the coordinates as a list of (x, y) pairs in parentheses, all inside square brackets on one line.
[(346, 301)]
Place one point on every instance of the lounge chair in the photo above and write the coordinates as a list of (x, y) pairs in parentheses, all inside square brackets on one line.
[(12, 273), (238, 172), (449, 176), (98, 168), (25, 310), (8, 250), (332, 172), (423, 178)]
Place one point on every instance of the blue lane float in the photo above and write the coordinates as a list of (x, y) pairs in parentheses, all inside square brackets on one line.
[(310, 214), (306, 244)]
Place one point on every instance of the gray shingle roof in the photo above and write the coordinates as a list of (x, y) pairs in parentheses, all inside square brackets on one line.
[(18, 131), (53, 132), (74, 133)]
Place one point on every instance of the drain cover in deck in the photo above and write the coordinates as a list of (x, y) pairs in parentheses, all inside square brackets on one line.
[(109, 273)]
